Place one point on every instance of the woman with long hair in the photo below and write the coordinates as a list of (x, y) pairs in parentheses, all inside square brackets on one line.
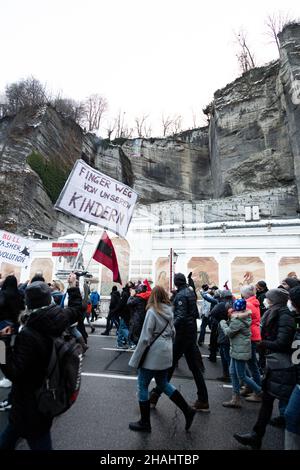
[(158, 332)]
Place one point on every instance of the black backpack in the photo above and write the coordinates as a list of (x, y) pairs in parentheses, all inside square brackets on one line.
[(61, 385)]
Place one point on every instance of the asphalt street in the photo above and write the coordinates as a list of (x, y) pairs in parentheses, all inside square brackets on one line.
[(108, 402)]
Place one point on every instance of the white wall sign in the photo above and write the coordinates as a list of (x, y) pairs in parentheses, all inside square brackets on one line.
[(15, 249), (97, 199)]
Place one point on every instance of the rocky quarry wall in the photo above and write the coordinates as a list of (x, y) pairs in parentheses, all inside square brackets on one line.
[(250, 151)]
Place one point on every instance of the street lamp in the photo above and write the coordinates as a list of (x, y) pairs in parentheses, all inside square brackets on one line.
[(172, 261)]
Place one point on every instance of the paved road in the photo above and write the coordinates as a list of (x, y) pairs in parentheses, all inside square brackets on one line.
[(107, 402)]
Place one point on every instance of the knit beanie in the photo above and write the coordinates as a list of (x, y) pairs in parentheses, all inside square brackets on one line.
[(278, 296)]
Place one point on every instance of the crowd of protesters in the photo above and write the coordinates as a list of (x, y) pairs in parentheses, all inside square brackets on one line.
[(254, 332)]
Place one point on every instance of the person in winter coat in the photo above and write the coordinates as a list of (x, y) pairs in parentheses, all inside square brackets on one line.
[(122, 311), (95, 300), (191, 283), (11, 302), (207, 305), (137, 306), (158, 333), (218, 313), (248, 293), (239, 333), (27, 362), (185, 315), (11, 305), (292, 411), (290, 282), (261, 290), (112, 317), (278, 330)]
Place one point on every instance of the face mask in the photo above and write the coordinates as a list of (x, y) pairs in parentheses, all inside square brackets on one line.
[(266, 303), (291, 306)]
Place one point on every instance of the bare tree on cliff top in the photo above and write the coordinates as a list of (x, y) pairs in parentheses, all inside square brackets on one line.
[(24, 94), (244, 55), (167, 122), (141, 126), (70, 109), (275, 23), (95, 106)]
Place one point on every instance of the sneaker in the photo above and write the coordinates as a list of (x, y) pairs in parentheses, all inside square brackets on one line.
[(201, 406), (5, 405), (122, 346), (105, 333), (5, 383)]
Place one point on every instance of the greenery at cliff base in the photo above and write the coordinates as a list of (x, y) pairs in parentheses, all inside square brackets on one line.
[(52, 174)]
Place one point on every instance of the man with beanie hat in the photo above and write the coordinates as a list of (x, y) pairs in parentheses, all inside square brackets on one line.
[(185, 316), (27, 362), (277, 332)]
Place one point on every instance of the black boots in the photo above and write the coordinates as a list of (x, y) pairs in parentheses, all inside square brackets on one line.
[(249, 439), (143, 424), (188, 412)]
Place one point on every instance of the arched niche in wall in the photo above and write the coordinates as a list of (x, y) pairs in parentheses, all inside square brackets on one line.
[(246, 270), (122, 250), (7, 269), (205, 270), (44, 266), (162, 270), (289, 266)]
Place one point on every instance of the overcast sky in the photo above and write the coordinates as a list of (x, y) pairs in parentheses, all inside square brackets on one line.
[(144, 56)]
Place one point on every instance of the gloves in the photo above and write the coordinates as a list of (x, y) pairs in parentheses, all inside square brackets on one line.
[(261, 347)]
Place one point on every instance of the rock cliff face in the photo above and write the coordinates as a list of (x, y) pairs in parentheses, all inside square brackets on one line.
[(24, 203), (254, 128), (252, 144)]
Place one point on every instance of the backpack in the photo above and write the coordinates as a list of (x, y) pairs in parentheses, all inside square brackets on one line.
[(61, 385)]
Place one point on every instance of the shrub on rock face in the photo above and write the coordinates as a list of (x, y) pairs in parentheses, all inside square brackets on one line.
[(53, 176)]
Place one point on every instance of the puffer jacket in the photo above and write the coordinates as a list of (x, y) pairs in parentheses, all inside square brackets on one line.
[(278, 332), (253, 305), (160, 355), (137, 308), (28, 359), (185, 314), (238, 329)]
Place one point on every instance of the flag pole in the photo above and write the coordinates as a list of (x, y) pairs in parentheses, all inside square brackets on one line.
[(93, 254), (82, 245)]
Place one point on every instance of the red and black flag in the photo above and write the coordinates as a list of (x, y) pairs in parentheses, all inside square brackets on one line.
[(105, 254)]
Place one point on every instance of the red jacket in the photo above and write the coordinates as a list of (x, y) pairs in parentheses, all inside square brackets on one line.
[(253, 305)]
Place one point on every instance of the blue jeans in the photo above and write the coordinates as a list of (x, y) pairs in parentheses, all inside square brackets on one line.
[(204, 323), (292, 412), (253, 364), (237, 372), (123, 333), (161, 378), (9, 438)]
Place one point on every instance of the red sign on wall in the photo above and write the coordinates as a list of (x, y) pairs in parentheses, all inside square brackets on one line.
[(64, 249)]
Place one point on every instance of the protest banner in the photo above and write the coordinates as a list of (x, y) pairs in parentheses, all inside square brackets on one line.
[(97, 199), (15, 249)]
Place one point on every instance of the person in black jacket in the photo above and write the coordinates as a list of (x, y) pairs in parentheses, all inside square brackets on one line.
[(27, 362), (112, 317), (278, 330), (122, 311), (185, 315), (11, 302), (261, 290)]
